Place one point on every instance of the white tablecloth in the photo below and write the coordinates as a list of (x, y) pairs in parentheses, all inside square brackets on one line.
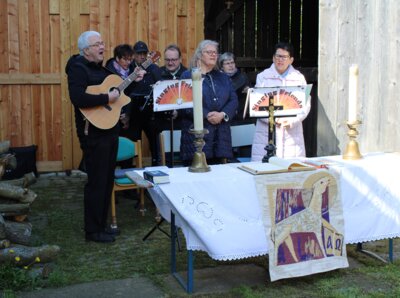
[(219, 212), (370, 190)]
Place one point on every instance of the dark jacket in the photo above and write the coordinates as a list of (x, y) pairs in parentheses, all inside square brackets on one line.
[(166, 75), (239, 82), (81, 74), (145, 86), (221, 98), (110, 66)]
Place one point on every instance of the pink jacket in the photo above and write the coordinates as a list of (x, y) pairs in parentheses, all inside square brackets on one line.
[(289, 141)]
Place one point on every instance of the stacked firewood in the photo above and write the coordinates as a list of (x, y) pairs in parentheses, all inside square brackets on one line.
[(15, 230)]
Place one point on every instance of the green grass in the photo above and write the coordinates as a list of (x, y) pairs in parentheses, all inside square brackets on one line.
[(57, 218)]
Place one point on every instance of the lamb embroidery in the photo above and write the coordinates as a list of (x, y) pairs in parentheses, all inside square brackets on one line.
[(302, 230)]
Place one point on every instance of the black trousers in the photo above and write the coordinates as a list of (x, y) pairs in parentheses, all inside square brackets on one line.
[(147, 122), (99, 154)]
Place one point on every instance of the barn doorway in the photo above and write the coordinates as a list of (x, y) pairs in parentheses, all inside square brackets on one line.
[(250, 29)]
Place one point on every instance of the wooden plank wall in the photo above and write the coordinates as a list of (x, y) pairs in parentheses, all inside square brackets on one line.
[(38, 36), (364, 32)]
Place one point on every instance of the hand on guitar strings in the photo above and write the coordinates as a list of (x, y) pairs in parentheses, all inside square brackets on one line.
[(113, 95), (140, 72)]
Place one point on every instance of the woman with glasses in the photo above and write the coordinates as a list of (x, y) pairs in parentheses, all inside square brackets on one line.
[(219, 107), (289, 130), (240, 83), (121, 65)]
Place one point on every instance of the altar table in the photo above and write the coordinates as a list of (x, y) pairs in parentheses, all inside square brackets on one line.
[(218, 211)]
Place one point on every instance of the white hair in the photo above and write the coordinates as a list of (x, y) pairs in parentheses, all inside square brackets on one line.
[(198, 52), (83, 40)]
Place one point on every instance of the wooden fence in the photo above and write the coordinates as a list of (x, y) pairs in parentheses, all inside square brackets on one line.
[(363, 32), (38, 36)]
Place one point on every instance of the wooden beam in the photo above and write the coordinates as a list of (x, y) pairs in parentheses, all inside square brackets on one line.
[(30, 78)]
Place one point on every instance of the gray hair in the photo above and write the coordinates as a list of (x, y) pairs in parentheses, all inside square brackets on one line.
[(225, 56), (198, 52), (83, 40)]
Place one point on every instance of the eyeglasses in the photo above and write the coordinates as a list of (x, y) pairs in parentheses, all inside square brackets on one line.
[(128, 59), (171, 60), (97, 44), (282, 57), (211, 53)]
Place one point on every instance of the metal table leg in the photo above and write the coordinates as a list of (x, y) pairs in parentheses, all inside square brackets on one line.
[(188, 285)]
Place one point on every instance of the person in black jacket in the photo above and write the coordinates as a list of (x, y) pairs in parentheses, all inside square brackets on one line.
[(240, 83), (173, 67), (142, 117), (99, 146), (172, 70)]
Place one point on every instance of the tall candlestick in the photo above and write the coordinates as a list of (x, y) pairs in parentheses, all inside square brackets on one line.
[(353, 96), (197, 88)]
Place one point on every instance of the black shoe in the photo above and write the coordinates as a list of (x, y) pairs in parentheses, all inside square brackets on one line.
[(99, 237), (112, 231)]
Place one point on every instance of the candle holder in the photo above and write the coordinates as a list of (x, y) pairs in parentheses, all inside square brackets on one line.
[(352, 152), (199, 163)]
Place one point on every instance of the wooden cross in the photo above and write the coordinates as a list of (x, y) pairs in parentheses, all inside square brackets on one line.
[(271, 148)]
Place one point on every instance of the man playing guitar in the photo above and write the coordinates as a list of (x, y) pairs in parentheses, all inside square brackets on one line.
[(99, 145)]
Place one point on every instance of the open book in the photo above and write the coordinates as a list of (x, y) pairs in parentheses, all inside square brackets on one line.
[(275, 165)]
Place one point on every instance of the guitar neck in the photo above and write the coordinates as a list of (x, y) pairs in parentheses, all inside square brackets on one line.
[(133, 76)]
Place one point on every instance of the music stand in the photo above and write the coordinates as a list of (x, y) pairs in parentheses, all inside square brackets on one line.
[(170, 95), (282, 101)]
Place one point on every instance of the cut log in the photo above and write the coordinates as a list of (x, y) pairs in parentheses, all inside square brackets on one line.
[(4, 146), (27, 180), (18, 232), (25, 255), (4, 243), (7, 161), (16, 193), (20, 218), (14, 209)]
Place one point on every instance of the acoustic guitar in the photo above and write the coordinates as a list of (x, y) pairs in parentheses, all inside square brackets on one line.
[(106, 116)]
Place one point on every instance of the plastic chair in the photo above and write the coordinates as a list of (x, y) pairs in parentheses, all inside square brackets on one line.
[(242, 136), (127, 149)]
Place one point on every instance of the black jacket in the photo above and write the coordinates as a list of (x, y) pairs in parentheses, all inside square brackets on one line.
[(166, 75), (81, 74)]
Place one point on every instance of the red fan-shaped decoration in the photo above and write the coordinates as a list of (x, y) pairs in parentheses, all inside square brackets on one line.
[(287, 100), (174, 94)]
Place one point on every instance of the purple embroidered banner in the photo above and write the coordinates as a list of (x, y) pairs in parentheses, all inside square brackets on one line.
[(303, 220)]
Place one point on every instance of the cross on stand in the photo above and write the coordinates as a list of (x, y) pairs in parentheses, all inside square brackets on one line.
[(270, 147)]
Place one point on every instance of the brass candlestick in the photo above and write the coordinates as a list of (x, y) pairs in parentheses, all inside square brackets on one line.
[(352, 152), (199, 163)]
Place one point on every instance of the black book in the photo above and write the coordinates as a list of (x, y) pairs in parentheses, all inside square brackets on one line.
[(156, 176)]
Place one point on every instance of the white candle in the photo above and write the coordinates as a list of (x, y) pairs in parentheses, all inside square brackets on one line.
[(197, 88), (353, 94)]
